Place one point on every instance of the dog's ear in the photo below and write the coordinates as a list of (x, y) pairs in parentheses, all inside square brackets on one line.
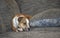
[(28, 16), (19, 19)]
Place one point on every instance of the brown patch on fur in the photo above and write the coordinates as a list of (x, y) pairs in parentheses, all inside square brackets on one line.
[(22, 23), (24, 15)]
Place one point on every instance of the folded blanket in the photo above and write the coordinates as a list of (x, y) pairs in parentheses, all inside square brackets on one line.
[(46, 22)]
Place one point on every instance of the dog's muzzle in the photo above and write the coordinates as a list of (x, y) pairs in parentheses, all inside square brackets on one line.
[(26, 29)]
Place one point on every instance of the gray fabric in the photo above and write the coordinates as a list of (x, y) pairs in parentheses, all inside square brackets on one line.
[(50, 17), (46, 22), (33, 7), (8, 8)]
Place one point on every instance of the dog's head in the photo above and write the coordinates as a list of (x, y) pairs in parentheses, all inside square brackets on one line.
[(23, 24)]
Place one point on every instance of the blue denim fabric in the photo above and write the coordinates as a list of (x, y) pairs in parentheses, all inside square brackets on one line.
[(46, 22)]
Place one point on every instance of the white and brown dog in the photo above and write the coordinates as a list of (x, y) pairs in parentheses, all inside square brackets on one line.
[(20, 22)]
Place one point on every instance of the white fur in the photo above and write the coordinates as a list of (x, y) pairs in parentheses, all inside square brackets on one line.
[(20, 29), (15, 21)]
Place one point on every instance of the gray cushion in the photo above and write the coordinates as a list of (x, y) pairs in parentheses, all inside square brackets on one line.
[(50, 17)]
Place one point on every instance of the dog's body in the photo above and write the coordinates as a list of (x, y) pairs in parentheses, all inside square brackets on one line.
[(20, 22)]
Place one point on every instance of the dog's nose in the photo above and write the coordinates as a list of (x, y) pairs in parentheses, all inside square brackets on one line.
[(28, 29)]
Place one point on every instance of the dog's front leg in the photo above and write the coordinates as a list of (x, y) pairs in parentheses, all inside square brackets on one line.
[(20, 29)]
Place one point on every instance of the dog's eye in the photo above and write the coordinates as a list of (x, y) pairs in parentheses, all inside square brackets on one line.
[(18, 27), (24, 23)]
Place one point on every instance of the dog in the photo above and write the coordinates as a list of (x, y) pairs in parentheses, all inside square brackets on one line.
[(20, 22)]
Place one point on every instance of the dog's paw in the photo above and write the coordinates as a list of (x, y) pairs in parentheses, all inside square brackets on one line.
[(20, 29)]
